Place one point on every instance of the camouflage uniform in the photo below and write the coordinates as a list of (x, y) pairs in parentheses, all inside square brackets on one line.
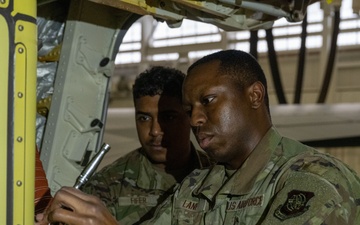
[(282, 182), (131, 186)]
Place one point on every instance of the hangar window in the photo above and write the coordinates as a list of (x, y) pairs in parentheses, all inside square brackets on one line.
[(199, 54), (195, 39), (190, 32), (129, 51), (164, 57)]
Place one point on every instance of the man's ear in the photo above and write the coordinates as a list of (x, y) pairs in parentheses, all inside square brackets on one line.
[(257, 93)]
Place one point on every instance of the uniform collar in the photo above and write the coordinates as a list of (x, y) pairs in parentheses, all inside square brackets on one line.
[(151, 178), (242, 181)]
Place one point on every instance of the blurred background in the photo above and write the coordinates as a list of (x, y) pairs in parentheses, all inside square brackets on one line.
[(308, 104)]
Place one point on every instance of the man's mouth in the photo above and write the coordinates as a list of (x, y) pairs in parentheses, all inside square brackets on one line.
[(204, 140), (156, 146)]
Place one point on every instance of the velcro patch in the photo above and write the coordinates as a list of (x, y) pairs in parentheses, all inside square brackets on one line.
[(235, 205), (150, 200), (295, 205), (190, 205)]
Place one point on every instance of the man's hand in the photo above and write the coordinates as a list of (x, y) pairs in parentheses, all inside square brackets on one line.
[(73, 207)]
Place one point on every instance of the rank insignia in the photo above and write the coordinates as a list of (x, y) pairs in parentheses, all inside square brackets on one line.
[(295, 205)]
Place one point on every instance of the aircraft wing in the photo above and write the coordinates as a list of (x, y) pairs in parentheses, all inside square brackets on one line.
[(230, 15)]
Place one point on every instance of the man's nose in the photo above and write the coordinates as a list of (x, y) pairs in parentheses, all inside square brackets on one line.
[(156, 129), (198, 117)]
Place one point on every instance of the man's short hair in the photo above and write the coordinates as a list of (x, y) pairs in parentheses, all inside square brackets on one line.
[(240, 66), (159, 80)]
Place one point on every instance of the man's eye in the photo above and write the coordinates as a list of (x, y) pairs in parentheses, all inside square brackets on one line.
[(187, 111), (143, 118), (207, 100), (168, 117)]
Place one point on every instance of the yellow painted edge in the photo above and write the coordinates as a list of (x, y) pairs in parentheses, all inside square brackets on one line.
[(4, 62), (24, 113)]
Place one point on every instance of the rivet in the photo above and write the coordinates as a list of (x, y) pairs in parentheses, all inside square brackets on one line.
[(96, 122), (104, 61), (19, 139), (18, 183), (20, 50), (2, 1), (20, 94), (21, 27)]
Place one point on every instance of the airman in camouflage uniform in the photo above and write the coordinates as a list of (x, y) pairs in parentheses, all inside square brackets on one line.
[(131, 186), (134, 184), (261, 177), (281, 182)]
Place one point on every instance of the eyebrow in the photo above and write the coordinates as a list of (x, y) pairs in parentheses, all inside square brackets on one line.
[(168, 111), (141, 112)]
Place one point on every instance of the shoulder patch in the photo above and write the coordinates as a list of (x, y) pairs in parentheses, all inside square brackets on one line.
[(295, 205)]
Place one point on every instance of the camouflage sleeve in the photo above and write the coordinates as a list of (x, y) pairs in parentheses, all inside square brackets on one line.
[(309, 199), (104, 183), (98, 186), (163, 214)]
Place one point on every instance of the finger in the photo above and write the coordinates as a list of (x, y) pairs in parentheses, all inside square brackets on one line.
[(67, 217), (62, 216), (40, 219), (73, 207), (70, 198), (79, 194)]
